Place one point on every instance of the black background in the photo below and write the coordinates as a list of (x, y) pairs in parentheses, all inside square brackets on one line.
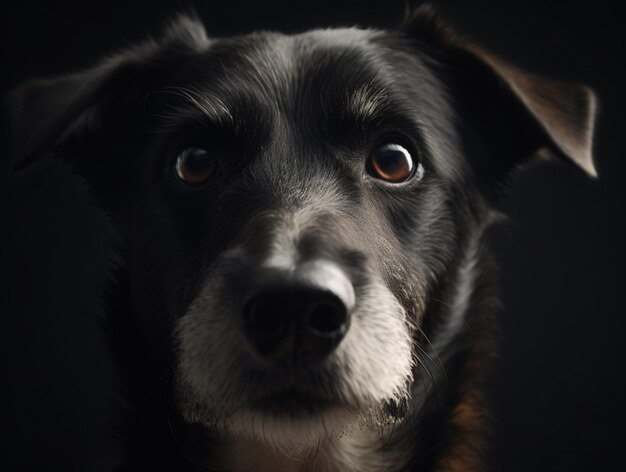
[(558, 397)]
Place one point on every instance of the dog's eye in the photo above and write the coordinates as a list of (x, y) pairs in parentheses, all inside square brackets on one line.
[(195, 165), (391, 163)]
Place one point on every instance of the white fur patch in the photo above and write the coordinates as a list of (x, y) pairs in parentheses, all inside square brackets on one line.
[(371, 365), (220, 375)]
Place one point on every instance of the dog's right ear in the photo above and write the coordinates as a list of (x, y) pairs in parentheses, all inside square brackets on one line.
[(44, 113)]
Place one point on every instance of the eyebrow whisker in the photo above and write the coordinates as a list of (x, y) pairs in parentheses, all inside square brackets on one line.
[(210, 106)]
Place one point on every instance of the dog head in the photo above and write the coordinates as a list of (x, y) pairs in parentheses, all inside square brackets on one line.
[(290, 204)]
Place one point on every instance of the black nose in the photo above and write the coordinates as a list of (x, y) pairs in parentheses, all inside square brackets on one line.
[(298, 319)]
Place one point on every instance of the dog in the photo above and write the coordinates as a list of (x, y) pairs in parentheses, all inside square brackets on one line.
[(302, 268)]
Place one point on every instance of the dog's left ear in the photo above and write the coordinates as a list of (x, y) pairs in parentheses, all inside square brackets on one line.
[(44, 113), (522, 112)]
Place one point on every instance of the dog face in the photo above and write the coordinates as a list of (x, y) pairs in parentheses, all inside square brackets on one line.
[(309, 217), (290, 205)]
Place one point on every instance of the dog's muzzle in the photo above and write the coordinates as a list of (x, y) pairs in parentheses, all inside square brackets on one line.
[(297, 316)]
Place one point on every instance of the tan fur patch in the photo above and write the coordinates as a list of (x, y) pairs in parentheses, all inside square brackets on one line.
[(467, 424)]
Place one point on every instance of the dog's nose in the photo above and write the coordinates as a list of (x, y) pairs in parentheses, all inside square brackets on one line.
[(298, 318)]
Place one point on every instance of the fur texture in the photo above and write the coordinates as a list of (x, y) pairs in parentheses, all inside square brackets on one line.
[(292, 121)]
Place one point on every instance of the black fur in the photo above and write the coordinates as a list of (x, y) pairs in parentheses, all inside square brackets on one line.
[(470, 118)]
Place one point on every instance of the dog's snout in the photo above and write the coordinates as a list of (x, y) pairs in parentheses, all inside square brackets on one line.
[(299, 317)]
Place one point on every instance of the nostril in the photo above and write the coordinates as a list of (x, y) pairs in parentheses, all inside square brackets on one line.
[(327, 318), (264, 318)]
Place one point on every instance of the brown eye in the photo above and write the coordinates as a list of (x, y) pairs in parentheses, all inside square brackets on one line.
[(195, 165), (391, 163)]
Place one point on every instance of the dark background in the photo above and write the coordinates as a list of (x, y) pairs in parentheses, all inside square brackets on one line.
[(557, 391)]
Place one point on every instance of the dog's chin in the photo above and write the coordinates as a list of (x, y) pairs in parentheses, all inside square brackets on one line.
[(289, 419), (292, 405)]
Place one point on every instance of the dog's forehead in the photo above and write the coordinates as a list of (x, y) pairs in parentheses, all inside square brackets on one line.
[(283, 67), (276, 52), (360, 73)]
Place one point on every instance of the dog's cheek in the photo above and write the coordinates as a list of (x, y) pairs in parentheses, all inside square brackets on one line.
[(375, 358), (207, 358)]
